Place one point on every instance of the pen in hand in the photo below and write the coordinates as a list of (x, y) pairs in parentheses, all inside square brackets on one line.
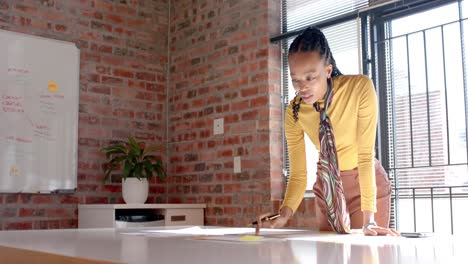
[(266, 218)]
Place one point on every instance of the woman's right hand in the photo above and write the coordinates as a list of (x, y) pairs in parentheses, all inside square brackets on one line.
[(285, 214)]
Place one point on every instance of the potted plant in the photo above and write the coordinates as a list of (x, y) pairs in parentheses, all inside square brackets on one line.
[(138, 167)]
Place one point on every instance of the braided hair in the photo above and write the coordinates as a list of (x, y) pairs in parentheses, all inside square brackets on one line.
[(312, 40)]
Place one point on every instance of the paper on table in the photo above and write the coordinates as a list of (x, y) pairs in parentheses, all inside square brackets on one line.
[(237, 238), (199, 231), (196, 230), (193, 231)]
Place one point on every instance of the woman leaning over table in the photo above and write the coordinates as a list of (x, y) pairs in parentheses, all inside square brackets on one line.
[(339, 114)]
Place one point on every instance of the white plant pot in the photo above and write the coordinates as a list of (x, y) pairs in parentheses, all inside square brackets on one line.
[(135, 191)]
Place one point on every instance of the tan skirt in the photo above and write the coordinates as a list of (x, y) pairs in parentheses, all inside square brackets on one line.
[(350, 179)]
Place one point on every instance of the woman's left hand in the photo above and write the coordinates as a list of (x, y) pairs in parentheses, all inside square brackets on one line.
[(374, 230)]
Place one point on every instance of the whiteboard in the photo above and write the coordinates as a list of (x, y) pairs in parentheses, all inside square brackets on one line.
[(39, 95)]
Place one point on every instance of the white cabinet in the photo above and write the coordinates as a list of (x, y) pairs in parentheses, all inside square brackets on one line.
[(107, 215)]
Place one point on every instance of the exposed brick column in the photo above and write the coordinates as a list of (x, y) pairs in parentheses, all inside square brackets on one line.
[(223, 66)]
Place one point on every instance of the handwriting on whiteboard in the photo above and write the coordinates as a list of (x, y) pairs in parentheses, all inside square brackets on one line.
[(18, 139), (12, 104), (18, 70)]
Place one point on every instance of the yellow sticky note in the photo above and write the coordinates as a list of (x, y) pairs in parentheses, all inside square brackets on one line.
[(250, 238), (52, 86)]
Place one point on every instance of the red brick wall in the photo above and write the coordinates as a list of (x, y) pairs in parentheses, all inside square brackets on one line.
[(122, 91), (223, 66)]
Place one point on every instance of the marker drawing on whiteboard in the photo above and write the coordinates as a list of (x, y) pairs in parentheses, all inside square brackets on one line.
[(14, 171), (52, 86)]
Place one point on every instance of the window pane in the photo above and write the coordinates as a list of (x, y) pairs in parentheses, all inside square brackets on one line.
[(424, 20), (427, 78), (427, 125), (344, 41)]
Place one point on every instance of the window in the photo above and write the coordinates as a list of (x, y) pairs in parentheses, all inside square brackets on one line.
[(426, 114), (418, 51)]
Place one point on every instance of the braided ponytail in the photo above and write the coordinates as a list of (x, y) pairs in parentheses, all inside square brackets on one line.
[(296, 107)]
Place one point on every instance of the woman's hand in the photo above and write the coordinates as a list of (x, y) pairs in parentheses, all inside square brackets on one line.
[(371, 228), (285, 214), (375, 230)]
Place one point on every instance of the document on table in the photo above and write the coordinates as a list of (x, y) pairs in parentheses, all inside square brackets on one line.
[(238, 238), (200, 231)]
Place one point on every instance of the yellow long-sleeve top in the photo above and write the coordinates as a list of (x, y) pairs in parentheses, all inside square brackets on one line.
[(353, 115)]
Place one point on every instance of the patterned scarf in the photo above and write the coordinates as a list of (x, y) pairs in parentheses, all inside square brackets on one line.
[(328, 171)]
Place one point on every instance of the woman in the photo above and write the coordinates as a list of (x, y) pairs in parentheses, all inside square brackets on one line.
[(339, 114)]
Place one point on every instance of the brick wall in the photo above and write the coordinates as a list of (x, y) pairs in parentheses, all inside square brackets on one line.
[(122, 91), (221, 66)]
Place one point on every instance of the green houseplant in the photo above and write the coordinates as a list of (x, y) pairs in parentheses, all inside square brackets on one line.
[(138, 165)]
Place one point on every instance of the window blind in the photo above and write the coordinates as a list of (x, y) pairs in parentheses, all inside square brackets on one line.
[(302, 13)]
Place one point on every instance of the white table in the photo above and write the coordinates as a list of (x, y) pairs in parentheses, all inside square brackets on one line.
[(110, 246)]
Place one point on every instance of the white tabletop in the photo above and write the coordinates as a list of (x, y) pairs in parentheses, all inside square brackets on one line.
[(300, 247)]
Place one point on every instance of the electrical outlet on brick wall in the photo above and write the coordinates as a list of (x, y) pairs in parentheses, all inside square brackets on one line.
[(237, 164), (218, 126)]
